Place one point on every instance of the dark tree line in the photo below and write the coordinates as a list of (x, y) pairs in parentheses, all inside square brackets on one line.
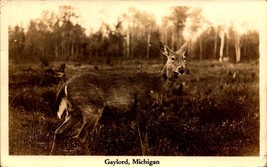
[(134, 36)]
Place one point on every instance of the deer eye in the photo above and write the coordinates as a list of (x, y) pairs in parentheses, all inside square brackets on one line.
[(173, 58), (184, 58)]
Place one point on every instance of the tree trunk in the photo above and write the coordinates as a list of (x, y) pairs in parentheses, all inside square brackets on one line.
[(173, 38), (227, 47), (215, 45), (72, 49), (82, 51), (148, 43), (200, 49), (77, 51), (131, 45), (56, 50), (190, 50), (90, 55), (221, 47), (166, 36), (66, 51), (244, 53), (237, 48), (128, 43), (62, 50)]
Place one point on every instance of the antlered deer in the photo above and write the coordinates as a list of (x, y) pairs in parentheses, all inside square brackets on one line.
[(87, 96)]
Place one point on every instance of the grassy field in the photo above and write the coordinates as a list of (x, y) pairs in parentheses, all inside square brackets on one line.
[(217, 113)]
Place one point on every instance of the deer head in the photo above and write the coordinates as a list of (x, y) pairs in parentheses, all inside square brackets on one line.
[(175, 64)]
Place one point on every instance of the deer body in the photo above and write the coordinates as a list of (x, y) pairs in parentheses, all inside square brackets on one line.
[(87, 96), (117, 91)]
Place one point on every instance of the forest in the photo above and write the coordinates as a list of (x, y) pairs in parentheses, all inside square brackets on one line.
[(58, 37)]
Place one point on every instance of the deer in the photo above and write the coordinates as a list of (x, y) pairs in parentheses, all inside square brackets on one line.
[(87, 96)]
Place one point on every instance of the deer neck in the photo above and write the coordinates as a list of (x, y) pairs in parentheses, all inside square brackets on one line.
[(168, 82), (162, 84)]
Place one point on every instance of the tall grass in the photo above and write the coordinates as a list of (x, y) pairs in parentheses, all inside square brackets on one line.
[(217, 113)]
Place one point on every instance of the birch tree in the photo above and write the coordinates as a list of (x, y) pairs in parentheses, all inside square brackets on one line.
[(222, 35), (237, 47)]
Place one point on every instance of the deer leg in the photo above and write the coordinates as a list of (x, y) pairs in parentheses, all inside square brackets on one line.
[(69, 122), (83, 138), (142, 119), (143, 139), (90, 120)]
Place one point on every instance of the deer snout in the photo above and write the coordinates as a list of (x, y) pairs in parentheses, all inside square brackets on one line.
[(181, 70)]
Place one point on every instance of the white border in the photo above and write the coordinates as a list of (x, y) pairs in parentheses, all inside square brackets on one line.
[(263, 87), (98, 161)]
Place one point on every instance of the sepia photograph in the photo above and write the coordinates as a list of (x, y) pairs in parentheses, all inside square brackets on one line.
[(139, 83)]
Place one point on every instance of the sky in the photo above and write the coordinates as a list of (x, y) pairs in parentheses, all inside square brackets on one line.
[(92, 13), (244, 15)]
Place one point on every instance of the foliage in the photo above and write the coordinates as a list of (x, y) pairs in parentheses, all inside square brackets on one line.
[(16, 42)]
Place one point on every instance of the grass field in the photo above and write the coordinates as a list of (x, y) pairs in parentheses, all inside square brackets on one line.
[(217, 113)]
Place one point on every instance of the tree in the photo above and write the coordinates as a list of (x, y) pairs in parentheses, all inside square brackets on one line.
[(178, 17), (196, 30), (16, 43), (69, 37), (49, 37), (222, 35), (237, 48), (140, 26), (40, 38), (165, 29)]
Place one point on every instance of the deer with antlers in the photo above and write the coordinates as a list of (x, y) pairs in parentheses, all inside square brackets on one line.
[(85, 97)]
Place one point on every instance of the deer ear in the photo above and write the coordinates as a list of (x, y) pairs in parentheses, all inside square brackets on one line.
[(164, 49), (183, 48)]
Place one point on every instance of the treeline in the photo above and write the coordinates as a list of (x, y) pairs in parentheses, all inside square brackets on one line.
[(135, 36)]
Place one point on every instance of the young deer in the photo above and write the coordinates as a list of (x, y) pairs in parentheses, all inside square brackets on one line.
[(87, 96)]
